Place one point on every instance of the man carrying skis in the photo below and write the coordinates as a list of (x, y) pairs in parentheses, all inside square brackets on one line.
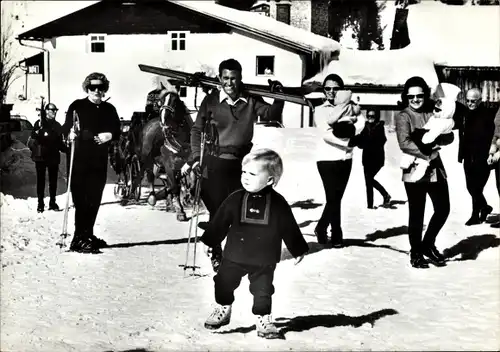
[(234, 113), (98, 123)]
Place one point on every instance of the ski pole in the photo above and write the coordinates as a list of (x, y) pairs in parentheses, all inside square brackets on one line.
[(64, 233)]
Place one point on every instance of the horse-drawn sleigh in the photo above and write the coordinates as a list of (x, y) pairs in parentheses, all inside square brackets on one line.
[(155, 144)]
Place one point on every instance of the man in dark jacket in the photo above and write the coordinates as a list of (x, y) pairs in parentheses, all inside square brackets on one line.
[(475, 141), (45, 144), (98, 123), (234, 114)]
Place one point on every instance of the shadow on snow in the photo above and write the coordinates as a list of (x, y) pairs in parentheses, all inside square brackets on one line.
[(470, 247), (315, 247), (150, 243), (308, 322), (305, 204)]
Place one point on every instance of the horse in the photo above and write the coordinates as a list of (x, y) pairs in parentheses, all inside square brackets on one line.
[(164, 141)]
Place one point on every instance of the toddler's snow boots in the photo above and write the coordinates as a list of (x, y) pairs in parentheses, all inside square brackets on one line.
[(220, 316)]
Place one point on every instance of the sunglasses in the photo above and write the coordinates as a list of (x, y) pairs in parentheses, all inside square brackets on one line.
[(327, 89), (371, 116), (93, 87), (52, 109), (472, 101), (413, 96)]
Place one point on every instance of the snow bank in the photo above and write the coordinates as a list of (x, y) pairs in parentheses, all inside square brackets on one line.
[(18, 174)]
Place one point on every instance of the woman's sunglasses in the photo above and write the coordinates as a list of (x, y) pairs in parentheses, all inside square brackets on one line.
[(327, 89), (93, 87), (413, 96)]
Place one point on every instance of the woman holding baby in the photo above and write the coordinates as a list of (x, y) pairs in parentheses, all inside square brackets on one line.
[(338, 119), (411, 126)]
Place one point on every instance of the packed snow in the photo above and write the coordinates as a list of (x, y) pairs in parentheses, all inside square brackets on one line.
[(365, 296)]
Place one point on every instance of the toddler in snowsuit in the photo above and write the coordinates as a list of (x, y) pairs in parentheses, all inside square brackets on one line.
[(344, 114), (441, 122), (255, 219)]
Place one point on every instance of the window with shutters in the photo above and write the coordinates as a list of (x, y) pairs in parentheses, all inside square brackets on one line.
[(178, 41), (97, 43)]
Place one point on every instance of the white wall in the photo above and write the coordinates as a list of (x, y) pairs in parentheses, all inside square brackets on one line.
[(71, 60)]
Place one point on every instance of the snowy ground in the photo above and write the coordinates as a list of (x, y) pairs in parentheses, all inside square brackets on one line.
[(365, 296)]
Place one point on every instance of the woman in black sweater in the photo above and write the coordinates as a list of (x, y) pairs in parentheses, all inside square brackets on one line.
[(372, 140)]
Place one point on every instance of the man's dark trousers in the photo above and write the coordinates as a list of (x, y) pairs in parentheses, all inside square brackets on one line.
[(41, 167), (476, 177)]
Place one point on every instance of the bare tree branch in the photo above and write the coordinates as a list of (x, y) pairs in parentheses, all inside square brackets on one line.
[(8, 66)]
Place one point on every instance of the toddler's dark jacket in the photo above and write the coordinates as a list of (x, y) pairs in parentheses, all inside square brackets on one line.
[(255, 225)]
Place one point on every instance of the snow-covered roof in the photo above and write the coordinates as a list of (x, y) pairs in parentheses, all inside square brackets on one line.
[(379, 67), (263, 26), (453, 35)]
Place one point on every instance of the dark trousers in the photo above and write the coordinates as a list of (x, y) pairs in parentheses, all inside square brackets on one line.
[(87, 186), (334, 175), (476, 177), (371, 183), (229, 276), (224, 177), (417, 194), (41, 168)]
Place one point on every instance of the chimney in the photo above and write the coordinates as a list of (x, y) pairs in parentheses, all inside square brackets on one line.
[(283, 11)]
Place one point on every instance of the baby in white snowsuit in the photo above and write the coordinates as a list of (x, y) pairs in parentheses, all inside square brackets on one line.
[(440, 123)]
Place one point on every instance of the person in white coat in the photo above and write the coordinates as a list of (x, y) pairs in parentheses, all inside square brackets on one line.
[(334, 160)]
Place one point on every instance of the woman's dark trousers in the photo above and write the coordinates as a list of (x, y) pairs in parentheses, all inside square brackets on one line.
[(335, 175), (417, 194), (87, 185), (41, 167), (370, 173)]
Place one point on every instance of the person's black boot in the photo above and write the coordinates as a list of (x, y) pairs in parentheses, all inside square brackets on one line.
[(418, 261), (98, 242), (474, 220), (53, 205), (387, 200), (483, 214), (41, 207), (337, 240), (321, 236), (83, 245), (433, 255)]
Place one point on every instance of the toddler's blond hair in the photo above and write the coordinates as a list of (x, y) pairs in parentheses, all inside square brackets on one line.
[(271, 162)]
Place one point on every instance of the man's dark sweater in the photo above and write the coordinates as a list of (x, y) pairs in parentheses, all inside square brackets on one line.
[(477, 134), (255, 225), (94, 119), (235, 124)]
